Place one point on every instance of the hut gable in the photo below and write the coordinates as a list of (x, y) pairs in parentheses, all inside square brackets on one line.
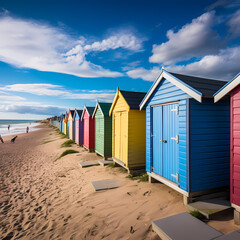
[(195, 87), (70, 114), (103, 107), (126, 100), (227, 88), (87, 110), (77, 114)]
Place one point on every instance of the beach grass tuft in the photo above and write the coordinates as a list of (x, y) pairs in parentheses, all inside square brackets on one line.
[(197, 215), (48, 141), (111, 165), (61, 133), (68, 143), (141, 178), (70, 151), (122, 170)]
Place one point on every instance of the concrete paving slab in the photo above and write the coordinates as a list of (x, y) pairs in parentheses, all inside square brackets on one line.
[(231, 236), (104, 162), (89, 163), (105, 184), (210, 207), (184, 226)]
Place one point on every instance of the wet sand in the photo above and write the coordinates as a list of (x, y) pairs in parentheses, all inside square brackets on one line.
[(41, 198)]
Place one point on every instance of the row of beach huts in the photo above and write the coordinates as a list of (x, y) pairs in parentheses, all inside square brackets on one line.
[(185, 131)]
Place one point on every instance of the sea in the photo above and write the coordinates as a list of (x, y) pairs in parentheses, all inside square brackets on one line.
[(17, 126)]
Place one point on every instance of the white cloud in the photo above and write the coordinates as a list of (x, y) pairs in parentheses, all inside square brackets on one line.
[(120, 40), (192, 40), (57, 90), (148, 75), (8, 97), (35, 45), (31, 108), (234, 24), (223, 65)]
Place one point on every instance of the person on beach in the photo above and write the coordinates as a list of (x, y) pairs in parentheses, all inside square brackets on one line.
[(27, 130), (8, 127), (1, 139), (13, 139)]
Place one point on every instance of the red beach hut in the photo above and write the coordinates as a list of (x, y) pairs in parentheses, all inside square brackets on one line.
[(232, 88), (88, 128)]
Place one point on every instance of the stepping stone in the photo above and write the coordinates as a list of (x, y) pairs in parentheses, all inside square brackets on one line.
[(210, 207), (104, 162), (105, 184), (231, 236), (184, 226), (89, 163)]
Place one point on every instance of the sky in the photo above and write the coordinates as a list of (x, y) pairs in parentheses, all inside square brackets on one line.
[(61, 54)]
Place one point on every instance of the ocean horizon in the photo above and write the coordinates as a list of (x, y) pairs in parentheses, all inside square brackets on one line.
[(17, 126)]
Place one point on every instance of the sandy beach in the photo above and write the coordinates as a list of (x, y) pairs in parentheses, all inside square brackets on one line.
[(45, 198)]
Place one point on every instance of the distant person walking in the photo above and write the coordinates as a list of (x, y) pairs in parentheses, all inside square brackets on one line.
[(1, 139), (27, 130), (8, 127)]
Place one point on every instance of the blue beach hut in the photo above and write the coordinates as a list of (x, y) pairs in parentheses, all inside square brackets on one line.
[(62, 123), (187, 135)]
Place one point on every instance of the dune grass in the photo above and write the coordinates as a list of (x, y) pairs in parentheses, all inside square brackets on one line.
[(141, 178), (48, 141), (61, 133), (68, 143), (111, 165), (198, 215), (70, 151)]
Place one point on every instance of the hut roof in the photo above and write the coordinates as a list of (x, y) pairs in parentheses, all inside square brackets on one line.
[(196, 87), (104, 107), (227, 88), (206, 86), (90, 111), (133, 98)]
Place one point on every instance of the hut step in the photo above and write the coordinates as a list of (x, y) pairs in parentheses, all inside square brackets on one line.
[(184, 226), (210, 207), (89, 163), (105, 184), (104, 162), (231, 236)]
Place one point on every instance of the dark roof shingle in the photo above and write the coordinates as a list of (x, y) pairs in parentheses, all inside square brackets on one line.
[(206, 86), (79, 112), (90, 110), (133, 98)]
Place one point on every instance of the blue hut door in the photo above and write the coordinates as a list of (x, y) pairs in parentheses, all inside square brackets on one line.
[(165, 141)]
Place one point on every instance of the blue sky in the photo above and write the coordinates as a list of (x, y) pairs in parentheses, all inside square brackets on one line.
[(60, 54)]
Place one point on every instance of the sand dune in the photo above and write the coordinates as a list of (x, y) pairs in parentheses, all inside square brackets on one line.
[(41, 198)]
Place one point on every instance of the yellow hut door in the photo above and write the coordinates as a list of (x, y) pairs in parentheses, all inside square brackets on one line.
[(117, 135), (124, 137)]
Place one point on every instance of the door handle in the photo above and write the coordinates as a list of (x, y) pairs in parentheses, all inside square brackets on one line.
[(176, 139), (163, 141), (152, 135), (176, 176)]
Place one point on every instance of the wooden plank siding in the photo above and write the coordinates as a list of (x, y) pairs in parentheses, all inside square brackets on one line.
[(166, 92), (209, 144), (136, 138), (107, 136), (120, 106), (235, 146), (99, 132)]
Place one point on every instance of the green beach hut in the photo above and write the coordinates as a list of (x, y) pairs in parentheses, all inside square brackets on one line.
[(103, 129)]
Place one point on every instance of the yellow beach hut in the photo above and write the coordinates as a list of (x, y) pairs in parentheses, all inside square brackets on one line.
[(66, 124), (129, 130), (71, 129)]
